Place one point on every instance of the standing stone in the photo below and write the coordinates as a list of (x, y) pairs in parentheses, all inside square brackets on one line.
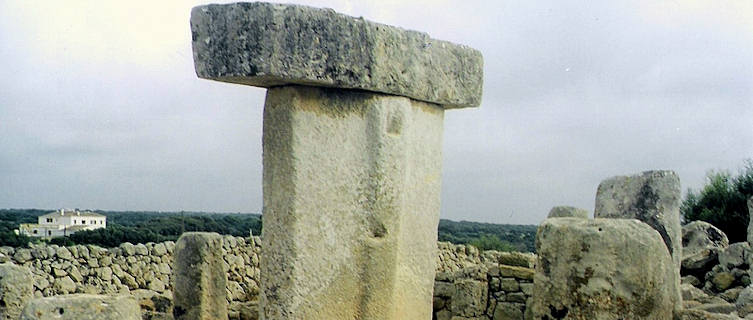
[(568, 212), (16, 288), (352, 139), (200, 277), (603, 269), (652, 197), (82, 307), (750, 220)]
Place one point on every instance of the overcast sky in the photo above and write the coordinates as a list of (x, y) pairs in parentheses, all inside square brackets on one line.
[(100, 107)]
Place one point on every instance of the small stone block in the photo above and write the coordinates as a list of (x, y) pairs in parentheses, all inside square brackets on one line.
[(266, 45), (516, 272), (200, 277), (82, 307)]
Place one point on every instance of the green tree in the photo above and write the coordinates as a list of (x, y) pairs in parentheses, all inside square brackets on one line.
[(491, 242), (722, 202)]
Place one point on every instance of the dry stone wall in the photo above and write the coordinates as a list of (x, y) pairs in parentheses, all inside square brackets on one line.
[(95, 270), (469, 284)]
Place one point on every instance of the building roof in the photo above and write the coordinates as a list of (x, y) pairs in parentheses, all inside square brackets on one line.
[(75, 213)]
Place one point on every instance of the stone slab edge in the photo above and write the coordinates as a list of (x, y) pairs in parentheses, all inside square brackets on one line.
[(267, 45)]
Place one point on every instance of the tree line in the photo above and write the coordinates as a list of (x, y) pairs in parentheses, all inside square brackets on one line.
[(142, 227), (722, 201)]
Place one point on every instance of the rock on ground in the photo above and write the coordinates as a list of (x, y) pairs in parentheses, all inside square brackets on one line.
[(598, 269), (82, 307), (699, 235)]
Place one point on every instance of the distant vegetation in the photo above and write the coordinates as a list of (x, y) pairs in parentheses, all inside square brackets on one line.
[(722, 202), (141, 227), (489, 236)]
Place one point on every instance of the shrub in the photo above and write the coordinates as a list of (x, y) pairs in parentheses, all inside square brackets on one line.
[(722, 202)]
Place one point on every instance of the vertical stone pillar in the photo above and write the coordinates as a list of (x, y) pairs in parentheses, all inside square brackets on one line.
[(16, 288), (199, 291), (352, 142)]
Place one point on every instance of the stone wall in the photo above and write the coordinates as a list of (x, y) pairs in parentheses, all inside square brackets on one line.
[(95, 270), (482, 285), (469, 284)]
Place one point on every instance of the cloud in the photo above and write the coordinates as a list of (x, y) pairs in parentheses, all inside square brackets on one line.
[(102, 107)]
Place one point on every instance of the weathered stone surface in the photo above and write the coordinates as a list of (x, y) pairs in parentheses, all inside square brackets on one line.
[(267, 45), (597, 269), (750, 220), (470, 298), (16, 288), (516, 272), (744, 302), (507, 311), (64, 285), (82, 307), (652, 197), (723, 308), (200, 277), (568, 212), (722, 280), (153, 305), (695, 314), (734, 255), (699, 235), (351, 204), (699, 260), (518, 259), (22, 255)]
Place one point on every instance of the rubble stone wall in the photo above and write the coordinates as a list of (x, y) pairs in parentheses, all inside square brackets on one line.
[(469, 283)]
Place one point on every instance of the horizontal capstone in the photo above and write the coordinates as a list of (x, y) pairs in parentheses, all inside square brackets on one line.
[(267, 45)]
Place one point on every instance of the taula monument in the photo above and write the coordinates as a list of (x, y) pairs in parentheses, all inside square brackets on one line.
[(352, 152)]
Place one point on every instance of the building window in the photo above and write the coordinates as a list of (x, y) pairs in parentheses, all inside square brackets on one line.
[(49, 220), (49, 232), (35, 231)]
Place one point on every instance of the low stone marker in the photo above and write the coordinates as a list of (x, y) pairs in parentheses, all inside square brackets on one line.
[(352, 140), (606, 269), (82, 307), (200, 277), (16, 288), (567, 212)]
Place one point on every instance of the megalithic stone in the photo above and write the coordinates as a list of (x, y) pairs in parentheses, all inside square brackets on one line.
[(199, 290), (352, 140), (652, 197)]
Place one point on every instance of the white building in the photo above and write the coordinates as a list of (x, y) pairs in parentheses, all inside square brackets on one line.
[(62, 223)]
